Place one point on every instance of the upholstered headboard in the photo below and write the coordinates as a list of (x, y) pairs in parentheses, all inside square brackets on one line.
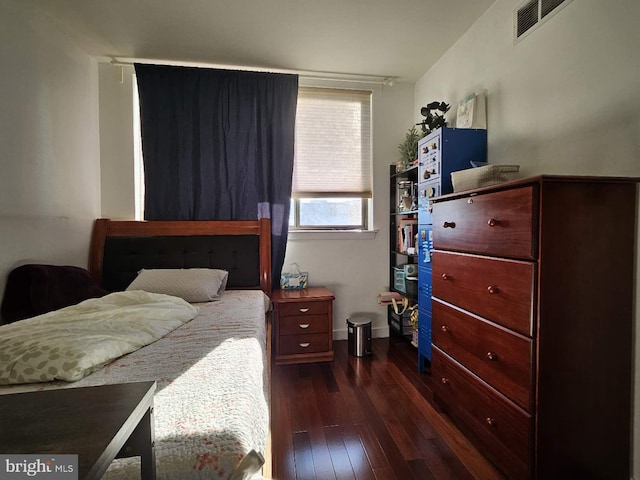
[(119, 249)]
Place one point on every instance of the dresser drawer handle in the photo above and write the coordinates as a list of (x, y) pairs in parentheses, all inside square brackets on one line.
[(304, 310), (492, 289), (492, 222), (444, 328), (304, 345), (449, 224), (446, 276), (492, 356), (303, 325), (444, 380), (491, 421)]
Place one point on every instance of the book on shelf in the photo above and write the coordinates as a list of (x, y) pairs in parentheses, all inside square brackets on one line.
[(407, 231)]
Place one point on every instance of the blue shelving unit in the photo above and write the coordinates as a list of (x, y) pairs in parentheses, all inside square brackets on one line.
[(441, 152)]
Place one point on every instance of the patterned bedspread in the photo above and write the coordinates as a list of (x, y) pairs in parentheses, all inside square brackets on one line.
[(211, 401)]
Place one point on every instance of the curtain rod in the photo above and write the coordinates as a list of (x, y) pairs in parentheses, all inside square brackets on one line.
[(332, 76)]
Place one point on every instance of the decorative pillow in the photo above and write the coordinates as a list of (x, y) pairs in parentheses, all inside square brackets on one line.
[(191, 284), (36, 289)]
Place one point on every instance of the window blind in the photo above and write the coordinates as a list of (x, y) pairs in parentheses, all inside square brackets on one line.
[(333, 143)]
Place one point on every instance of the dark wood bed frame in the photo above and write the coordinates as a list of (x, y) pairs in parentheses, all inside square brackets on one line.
[(232, 245), (105, 229)]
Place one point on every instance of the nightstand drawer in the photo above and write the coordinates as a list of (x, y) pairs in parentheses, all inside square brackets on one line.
[(304, 308), (305, 343), (500, 357), (503, 429), (304, 324), (496, 289)]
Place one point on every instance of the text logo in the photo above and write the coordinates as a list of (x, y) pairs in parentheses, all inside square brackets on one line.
[(49, 467)]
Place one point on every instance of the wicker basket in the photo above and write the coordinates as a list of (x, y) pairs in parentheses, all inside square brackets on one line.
[(483, 176)]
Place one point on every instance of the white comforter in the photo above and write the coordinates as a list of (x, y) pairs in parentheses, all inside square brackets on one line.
[(211, 402), (72, 342)]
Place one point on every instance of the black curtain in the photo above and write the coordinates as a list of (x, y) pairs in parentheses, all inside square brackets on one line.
[(218, 145)]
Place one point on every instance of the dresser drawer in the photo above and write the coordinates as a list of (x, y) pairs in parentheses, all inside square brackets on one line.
[(496, 289), (498, 223), (304, 308), (298, 324), (305, 343), (498, 356), (503, 429)]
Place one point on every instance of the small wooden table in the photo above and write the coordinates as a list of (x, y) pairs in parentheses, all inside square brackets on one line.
[(96, 423), (303, 322)]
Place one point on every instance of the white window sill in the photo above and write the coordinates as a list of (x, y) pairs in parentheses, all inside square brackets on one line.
[(332, 234)]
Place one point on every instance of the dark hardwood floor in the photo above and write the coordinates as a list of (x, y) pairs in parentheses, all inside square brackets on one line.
[(366, 418)]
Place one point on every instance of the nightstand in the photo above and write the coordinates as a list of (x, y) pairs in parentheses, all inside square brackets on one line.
[(303, 325)]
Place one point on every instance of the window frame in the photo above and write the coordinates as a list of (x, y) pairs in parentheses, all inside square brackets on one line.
[(364, 212), (366, 201)]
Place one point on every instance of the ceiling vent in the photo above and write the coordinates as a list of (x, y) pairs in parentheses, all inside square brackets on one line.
[(531, 14)]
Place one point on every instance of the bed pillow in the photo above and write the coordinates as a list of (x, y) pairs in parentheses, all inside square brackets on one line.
[(35, 289), (194, 285)]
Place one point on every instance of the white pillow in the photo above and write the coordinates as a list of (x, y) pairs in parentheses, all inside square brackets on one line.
[(191, 284)]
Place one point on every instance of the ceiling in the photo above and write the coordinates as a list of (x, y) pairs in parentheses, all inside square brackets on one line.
[(388, 38)]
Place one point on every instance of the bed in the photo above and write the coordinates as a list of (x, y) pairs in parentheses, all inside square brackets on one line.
[(212, 398)]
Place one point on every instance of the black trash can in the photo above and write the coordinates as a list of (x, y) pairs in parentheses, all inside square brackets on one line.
[(359, 330)]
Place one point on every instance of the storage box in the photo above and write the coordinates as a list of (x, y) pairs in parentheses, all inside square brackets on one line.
[(400, 274), (410, 269), (411, 285), (399, 282), (401, 323), (483, 176)]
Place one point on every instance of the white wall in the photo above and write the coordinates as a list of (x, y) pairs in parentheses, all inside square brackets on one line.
[(116, 141), (564, 100), (354, 269), (49, 158)]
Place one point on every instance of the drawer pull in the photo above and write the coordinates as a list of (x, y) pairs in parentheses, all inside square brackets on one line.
[(493, 222), (304, 345), (444, 328), (449, 224), (492, 356), (304, 310), (444, 380), (492, 289), (491, 421), (303, 325), (446, 276)]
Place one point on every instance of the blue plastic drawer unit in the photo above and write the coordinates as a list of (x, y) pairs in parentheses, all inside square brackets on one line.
[(441, 152)]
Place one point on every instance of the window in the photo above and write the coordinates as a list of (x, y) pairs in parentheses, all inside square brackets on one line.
[(332, 166)]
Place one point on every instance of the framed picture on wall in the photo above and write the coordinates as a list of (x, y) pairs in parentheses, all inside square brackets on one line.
[(471, 112)]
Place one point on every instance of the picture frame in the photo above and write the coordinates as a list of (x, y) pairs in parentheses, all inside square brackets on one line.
[(471, 112)]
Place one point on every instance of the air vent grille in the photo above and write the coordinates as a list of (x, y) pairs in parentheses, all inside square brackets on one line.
[(533, 13), (547, 6), (527, 17)]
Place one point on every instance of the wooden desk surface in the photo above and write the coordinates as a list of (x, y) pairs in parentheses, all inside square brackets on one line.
[(92, 422)]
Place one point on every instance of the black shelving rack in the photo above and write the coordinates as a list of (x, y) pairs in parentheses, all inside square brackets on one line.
[(402, 212)]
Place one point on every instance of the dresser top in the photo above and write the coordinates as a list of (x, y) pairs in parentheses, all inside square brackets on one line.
[(539, 179)]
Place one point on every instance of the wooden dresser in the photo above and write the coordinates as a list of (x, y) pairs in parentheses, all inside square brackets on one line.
[(533, 293), (303, 321)]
